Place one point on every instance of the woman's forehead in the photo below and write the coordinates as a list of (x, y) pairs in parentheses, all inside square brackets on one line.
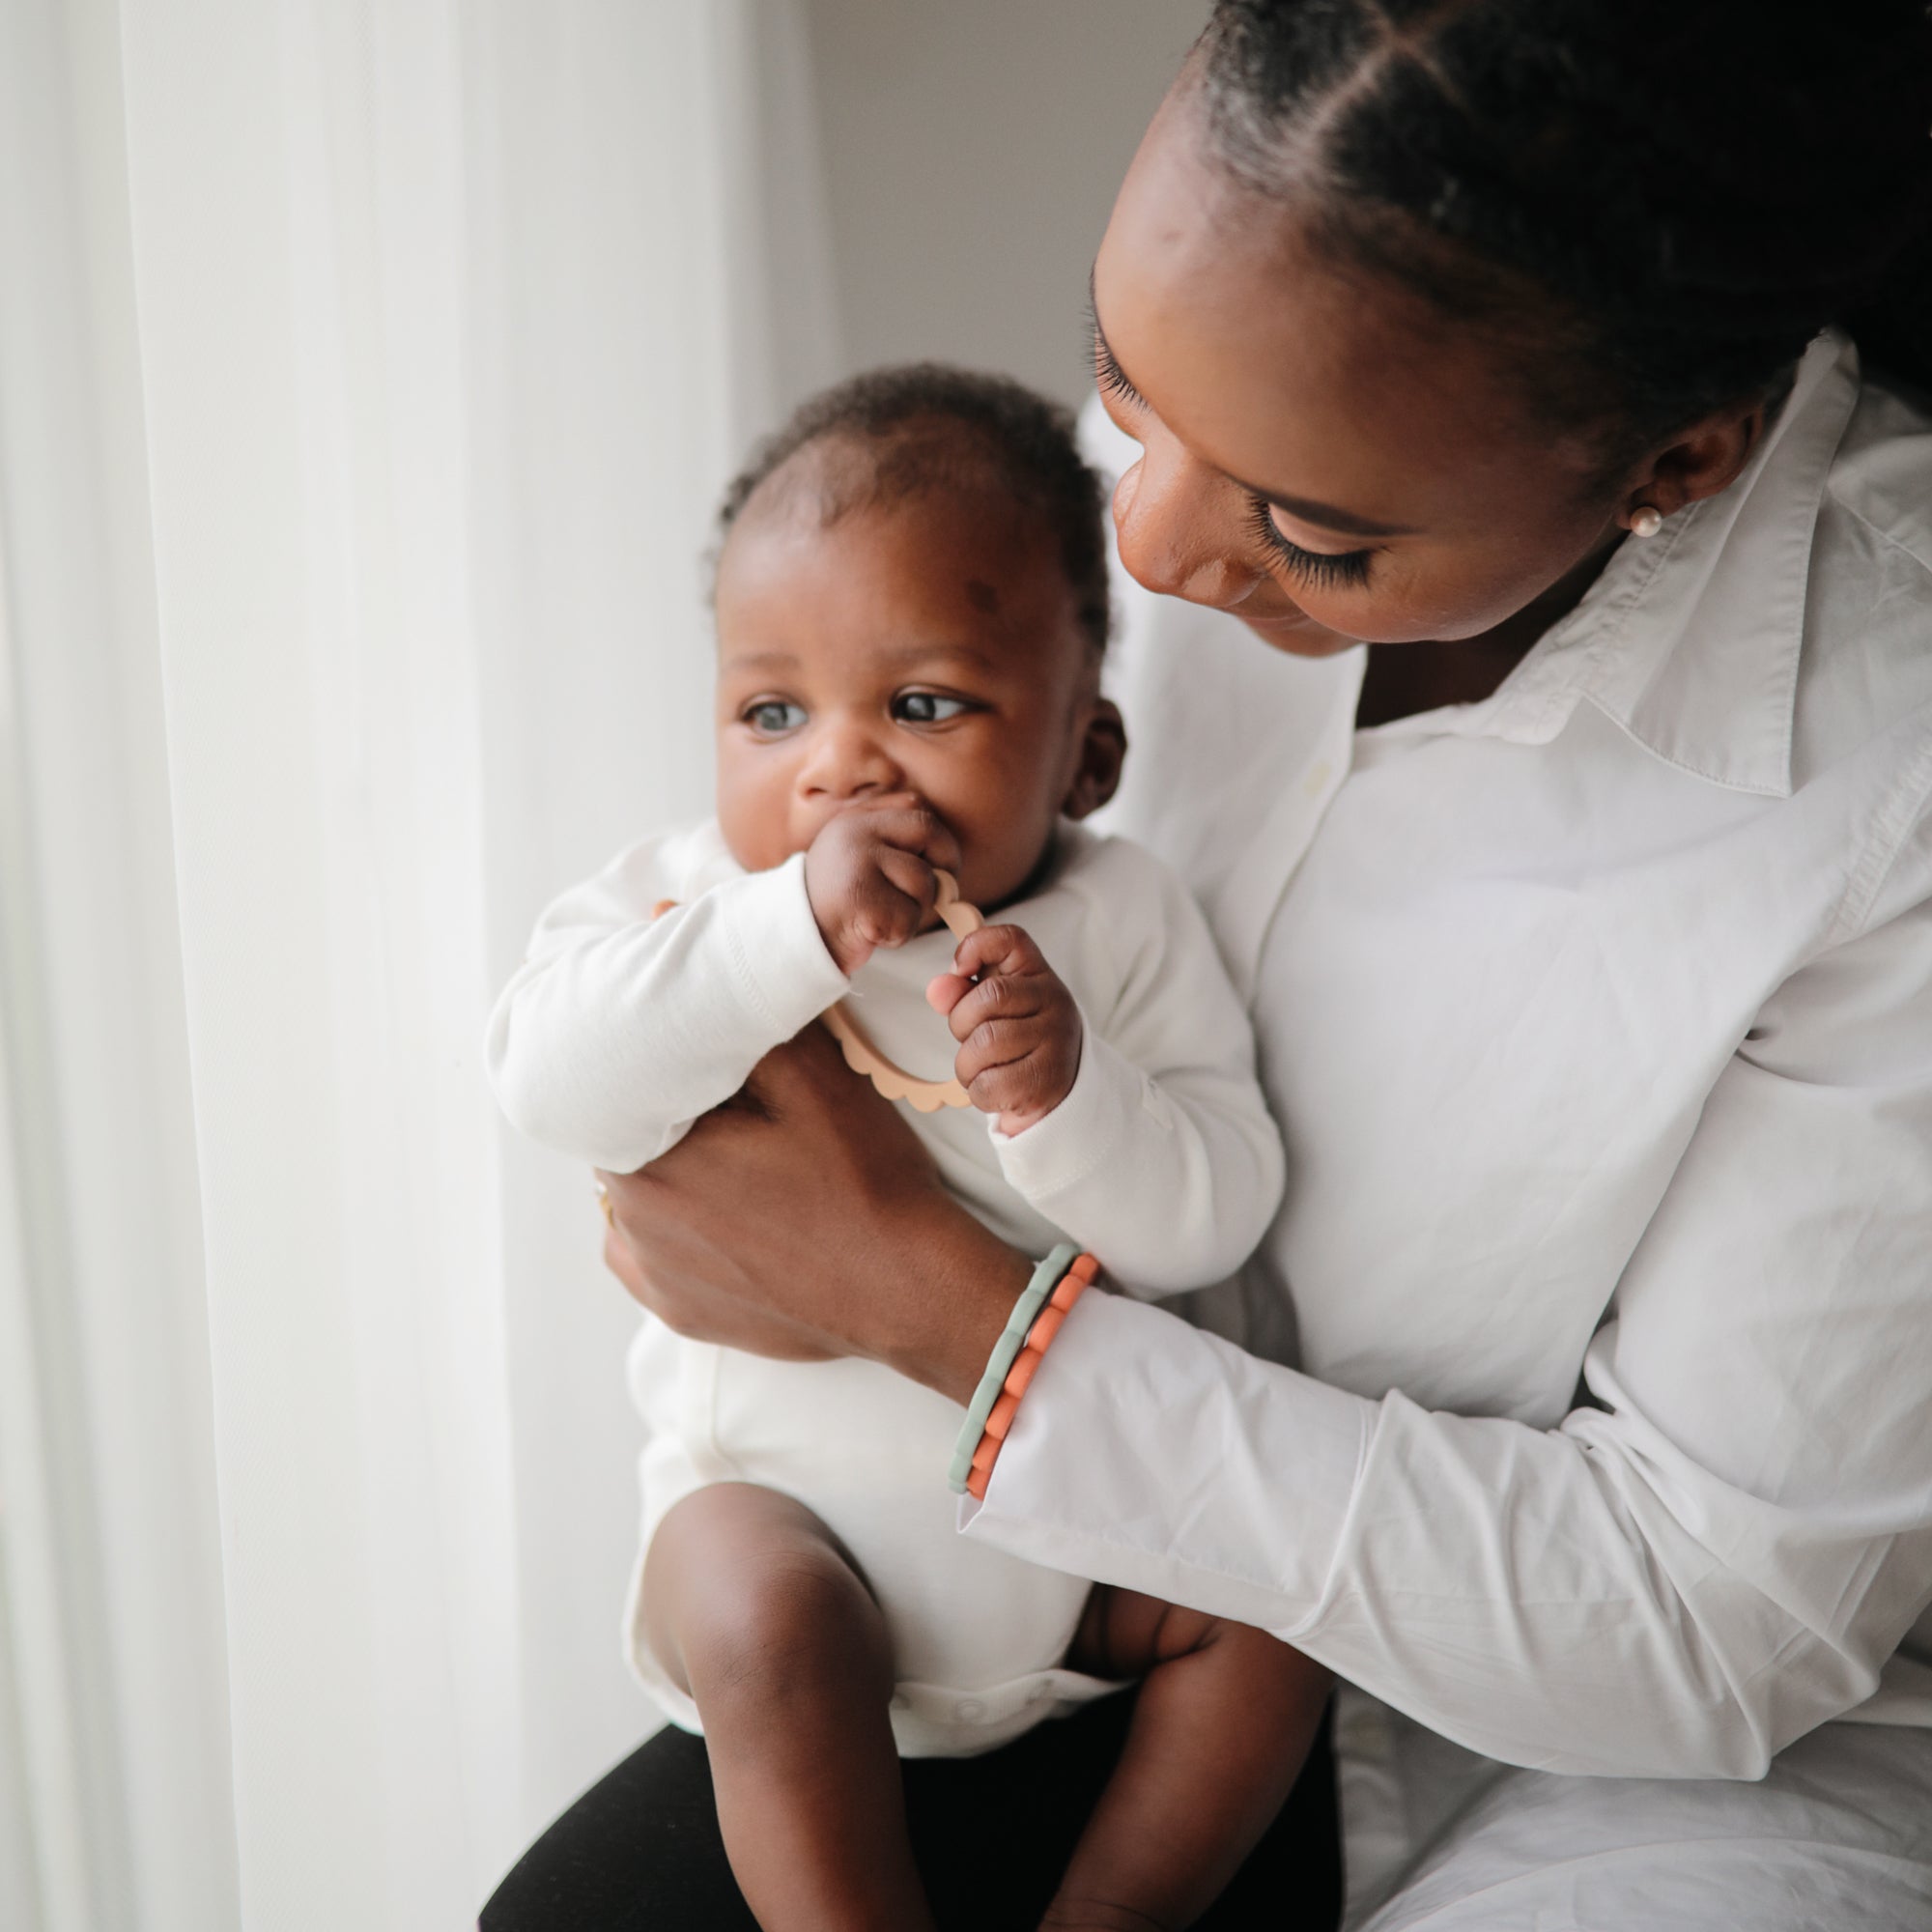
[(1291, 372)]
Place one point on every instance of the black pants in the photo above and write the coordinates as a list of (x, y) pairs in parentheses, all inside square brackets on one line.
[(640, 1850)]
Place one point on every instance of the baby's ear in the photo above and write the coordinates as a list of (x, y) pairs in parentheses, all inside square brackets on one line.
[(1103, 748)]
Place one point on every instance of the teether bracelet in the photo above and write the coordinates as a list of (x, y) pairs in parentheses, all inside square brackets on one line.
[(1056, 1285)]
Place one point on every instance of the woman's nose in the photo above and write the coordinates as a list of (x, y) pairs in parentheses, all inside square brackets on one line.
[(1179, 528), (849, 761)]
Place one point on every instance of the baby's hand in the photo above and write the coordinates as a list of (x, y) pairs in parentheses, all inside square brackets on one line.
[(869, 875), (1017, 1026)]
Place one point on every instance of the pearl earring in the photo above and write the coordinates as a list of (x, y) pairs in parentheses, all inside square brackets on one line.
[(1646, 522)]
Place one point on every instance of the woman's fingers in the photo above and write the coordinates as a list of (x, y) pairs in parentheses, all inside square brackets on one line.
[(693, 1304)]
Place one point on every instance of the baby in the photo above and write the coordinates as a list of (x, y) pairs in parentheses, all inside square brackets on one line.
[(911, 607)]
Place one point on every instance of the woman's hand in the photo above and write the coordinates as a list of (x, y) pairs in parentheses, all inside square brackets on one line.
[(805, 1220)]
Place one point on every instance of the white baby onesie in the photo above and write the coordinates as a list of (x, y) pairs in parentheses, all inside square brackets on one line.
[(621, 1028)]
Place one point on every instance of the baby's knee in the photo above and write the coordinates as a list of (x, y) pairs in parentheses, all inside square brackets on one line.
[(804, 1621), (765, 1605)]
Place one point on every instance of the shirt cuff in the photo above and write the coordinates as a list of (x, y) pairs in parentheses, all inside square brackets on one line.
[(779, 956), (1062, 1149), (1151, 1455)]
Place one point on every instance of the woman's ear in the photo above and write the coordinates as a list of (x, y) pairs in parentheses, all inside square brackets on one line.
[(1103, 747), (1704, 460)]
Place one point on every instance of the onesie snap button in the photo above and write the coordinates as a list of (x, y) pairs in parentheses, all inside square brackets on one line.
[(969, 1710)]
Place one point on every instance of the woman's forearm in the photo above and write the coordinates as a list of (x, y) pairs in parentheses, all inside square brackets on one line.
[(972, 1279), (1584, 1599)]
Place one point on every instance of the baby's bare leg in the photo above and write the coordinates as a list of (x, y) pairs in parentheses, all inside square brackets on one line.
[(751, 1603), (1224, 1718)]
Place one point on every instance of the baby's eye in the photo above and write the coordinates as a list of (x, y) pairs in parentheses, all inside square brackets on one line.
[(927, 707), (773, 717)]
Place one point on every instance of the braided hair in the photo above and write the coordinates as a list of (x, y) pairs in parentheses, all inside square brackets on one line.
[(1656, 204)]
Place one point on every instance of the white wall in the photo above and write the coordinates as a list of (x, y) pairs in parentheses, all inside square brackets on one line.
[(972, 154)]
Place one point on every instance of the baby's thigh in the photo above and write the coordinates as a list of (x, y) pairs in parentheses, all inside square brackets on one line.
[(739, 1576), (1837, 1835)]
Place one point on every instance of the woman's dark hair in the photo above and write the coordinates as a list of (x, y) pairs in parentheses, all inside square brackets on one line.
[(924, 426), (1656, 203)]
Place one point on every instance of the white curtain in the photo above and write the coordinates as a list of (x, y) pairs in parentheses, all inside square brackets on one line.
[(412, 341)]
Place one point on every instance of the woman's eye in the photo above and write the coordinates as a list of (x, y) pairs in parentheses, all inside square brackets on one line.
[(1344, 570), (927, 707), (773, 717)]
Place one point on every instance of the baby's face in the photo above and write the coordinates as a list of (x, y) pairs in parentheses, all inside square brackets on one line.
[(928, 649)]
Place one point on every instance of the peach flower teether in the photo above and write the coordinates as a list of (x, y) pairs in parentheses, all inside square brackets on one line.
[(927, 1097)]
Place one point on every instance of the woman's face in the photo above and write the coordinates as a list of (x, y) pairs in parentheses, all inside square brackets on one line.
[(1320, 453)]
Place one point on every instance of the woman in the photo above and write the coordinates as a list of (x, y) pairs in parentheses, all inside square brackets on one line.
[(1589, 940)]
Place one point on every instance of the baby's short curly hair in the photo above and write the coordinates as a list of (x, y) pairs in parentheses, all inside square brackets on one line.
[(925, 426)]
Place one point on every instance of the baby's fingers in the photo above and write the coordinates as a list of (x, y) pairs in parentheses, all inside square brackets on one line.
[(988, 1047), (997, 950), (945, 991), (904, 823), (998, 1000), (911, 876)]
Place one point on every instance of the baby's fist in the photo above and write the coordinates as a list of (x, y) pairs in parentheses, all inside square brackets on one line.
[(869, 875), (1016, 1024)]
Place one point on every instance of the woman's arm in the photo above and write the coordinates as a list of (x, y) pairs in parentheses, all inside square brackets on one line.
[(1678, 1582)]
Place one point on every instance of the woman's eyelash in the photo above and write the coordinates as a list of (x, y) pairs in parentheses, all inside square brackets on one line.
[(1108, 373), (1112, 382), (1347, 570)]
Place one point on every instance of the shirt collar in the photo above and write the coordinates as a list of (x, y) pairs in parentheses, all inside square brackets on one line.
[(1690, 641)]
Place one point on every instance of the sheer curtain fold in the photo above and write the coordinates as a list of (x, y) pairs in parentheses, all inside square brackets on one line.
[(450, 318)]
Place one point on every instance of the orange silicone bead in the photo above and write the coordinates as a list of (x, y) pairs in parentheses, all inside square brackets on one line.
[(1000, 1418), (976, 1483), (1071, 1288), (1019, 1378), (1045, 1326)]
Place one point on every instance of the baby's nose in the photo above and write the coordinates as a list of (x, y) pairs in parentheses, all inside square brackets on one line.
[(850, 762)]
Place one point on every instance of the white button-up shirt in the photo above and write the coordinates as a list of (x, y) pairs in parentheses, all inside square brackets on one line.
[(1597, 1019)]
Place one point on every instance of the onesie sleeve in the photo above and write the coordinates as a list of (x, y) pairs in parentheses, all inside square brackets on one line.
[(619, 1028), (1162, 1159)]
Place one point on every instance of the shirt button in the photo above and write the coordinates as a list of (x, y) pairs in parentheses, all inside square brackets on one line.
[(968, 1710)]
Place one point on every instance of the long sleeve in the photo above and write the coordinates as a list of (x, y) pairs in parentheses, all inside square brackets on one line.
[(1722, 1551), (620, 1029), (1163, 1160)]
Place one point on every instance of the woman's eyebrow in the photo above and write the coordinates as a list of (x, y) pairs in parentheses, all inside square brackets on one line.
[(1326, 515)]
